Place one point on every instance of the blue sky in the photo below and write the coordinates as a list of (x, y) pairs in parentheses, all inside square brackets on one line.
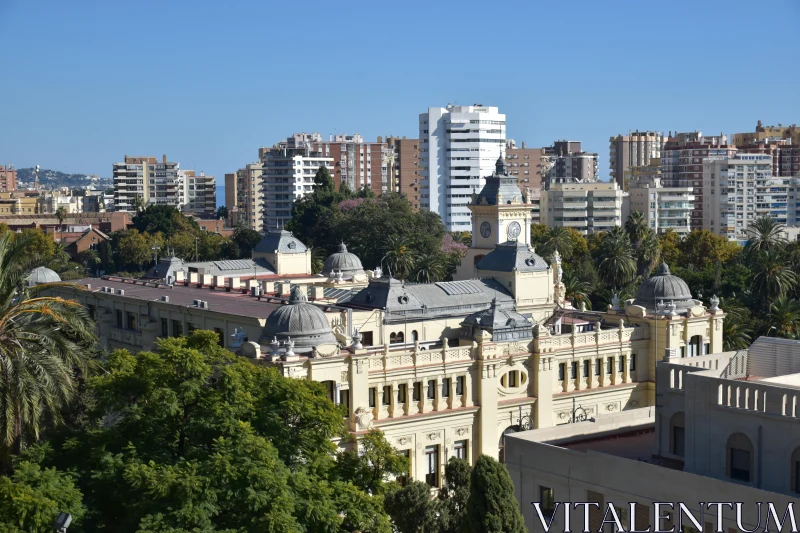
[(207, 83)]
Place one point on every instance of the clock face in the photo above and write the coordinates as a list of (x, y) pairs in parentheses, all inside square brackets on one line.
[(514, 230), (486, 230)]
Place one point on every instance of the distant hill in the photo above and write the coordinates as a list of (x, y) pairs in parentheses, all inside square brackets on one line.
[(54, 178)]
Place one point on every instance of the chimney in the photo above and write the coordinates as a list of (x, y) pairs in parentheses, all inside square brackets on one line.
[(164, 159)]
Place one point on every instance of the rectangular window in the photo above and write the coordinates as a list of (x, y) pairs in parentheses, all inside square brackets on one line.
[(547, 501), (460, 449), (561, 368), (513, 378), (740, 464), (431, 389), (164, 328), (598, 367), (432, 465), (633, 362), (417, 390), (372, 392), (621, 363), (344, 400), (387, 395), (402, 390), (586, 368), (177, 328), (797, 477), (610, 365), (707, 348), (678, 440), (445, 387), (330, 389), (366, 338), (404, 479), (459, 385), (119, 318), (573, 370), (92, 311)]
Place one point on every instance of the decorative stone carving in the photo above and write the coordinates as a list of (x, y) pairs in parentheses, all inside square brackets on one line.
[(239, 334), (433, 436), (615, 302), (445, 343), (363, 418), (634, 403), (462, 431), (611, 407), (345, 376), (714, 303), (402, 441), (563, 414)]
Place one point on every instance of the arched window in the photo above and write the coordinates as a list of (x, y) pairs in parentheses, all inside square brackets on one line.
[(677, 432), (414, 336), (401, 338), (739, 458), (696, 346), (795, 466), (392, 338)]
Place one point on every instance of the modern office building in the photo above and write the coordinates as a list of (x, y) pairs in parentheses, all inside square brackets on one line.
[(741, 189), (288, 174), (682, 164), (664, 208), (405, 168), (636, 149), (726, 428), (588, 207), (458, 146), (244, 196), (8, 178), (443, 369), (357, 162)]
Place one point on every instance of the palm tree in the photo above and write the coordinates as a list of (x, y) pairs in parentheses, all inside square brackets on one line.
[(557, 238), (784, 316), (765, 234), (736, 335), (138, 203), (61, 214), (636, 228), (318, 256), (576, 290), (617, 266), (60, 257), (648, 252), (773, 279), (90, 258), (43, 343), (400, 257), (428, 268)]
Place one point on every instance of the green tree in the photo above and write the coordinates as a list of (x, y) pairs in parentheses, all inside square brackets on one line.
[(736, 335), (400, 258), (61, 214), (784, 317), (617, 266), (492, 507), (772, 278), (164, 219), (702, 248), (557, 238), (246, 239), (412, 509), (222, 212), (454, 495), (576, 290), (43, 343), (670, 242), (765, 234), (648, 252), (374, 464), (135, 248), (636, 228), (428, 268), (323, 180), (32, 498)]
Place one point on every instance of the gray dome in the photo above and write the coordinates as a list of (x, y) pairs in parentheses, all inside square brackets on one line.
[(42, 275), (664, 286), (305, 323), (348, 263)]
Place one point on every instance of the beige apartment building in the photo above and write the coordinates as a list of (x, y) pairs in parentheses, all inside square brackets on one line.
[(725, 429), (404, 168), (768, 133), (155, 182), (588, 207), (444, 369), (244, 196), (664, 208), (636, 149), (8, 178), (198, 193)]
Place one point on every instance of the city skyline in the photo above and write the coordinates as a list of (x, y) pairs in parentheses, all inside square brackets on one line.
[(119, 85)]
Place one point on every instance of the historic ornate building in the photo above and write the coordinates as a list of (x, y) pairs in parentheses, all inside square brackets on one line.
[(443, 369)]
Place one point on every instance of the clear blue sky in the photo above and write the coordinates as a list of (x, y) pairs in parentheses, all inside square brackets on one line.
[(207, 83)]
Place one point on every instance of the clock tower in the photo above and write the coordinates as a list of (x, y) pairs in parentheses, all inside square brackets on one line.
[(501, 213)]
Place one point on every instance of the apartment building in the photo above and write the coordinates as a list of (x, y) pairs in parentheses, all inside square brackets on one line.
[(531, 166), (569, 163), (8, 178), (157, 183), (19, 203), (588, 207), (768, 133), (244, 196), (664, 208), (636, 149), (458, 146), (682, 164), (357, 162), (288, 174), (404, 168), (725, 428), (51, 201), (741, 189), (198, 194)]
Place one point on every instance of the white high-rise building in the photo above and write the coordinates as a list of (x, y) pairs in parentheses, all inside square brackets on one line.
[(588, 207), (741, 189), (664, 208), (459, 146)]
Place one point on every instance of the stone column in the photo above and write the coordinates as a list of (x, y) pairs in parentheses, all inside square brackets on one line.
[(626, 364), (467, 400), (488, 440), (359, 386), (409, 398), (543, 390), (437, 400)]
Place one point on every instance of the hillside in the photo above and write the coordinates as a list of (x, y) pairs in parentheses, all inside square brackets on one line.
[(54, 178)]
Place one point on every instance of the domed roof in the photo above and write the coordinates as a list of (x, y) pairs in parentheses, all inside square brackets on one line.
[(663, 286), (42, 275), (305, 323), (348, 263)]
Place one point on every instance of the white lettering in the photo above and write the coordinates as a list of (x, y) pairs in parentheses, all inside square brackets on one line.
[(633, 520), (779, 524), (739, 518), (614, 519), (682, 509), (538, 507), (719, 513), (659, 518), (586, 513)]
